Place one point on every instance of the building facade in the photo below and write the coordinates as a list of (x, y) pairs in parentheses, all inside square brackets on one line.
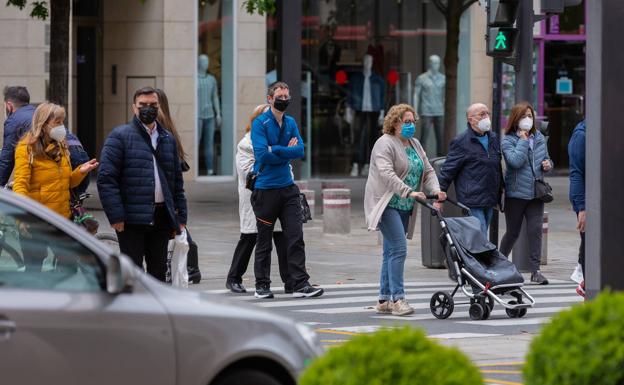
[(214, 61)]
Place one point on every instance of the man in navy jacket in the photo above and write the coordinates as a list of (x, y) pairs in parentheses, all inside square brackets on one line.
[(474, 164), (140, 185), (276, 140), (19, 115), (576, 153)]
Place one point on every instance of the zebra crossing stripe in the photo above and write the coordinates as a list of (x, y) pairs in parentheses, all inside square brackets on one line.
[(463, 313)]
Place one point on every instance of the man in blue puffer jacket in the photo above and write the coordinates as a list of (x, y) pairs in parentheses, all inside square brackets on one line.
[(140, 185), (474, 164), (19, 115)]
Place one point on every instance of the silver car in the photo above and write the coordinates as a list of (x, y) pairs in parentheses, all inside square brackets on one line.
[(74, 312)]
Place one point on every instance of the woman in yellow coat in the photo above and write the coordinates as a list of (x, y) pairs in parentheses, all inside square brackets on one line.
[(42, 165), (43, 173)]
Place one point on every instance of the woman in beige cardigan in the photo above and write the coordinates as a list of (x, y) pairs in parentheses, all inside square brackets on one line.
[(399, 172)]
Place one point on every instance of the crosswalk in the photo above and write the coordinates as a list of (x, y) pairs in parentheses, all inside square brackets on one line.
[(349, 308)]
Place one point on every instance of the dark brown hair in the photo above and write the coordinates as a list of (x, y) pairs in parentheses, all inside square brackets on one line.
[(143, 91), (164, 117), (275, 86), (517, 112)]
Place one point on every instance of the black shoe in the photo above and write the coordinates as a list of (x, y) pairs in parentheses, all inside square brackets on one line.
[(539, 278), (308, 291), (194, 275), (236, 287), (263, 292), (288, 289)]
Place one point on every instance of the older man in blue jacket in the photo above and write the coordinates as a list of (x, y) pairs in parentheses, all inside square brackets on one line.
[(474, 164), (576, 153), (19, 115), (276, 141)]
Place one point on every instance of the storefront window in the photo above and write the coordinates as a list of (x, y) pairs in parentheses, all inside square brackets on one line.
[(215, 85), (363, 57)]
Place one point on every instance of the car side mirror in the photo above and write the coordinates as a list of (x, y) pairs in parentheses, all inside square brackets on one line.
[(119, 275)]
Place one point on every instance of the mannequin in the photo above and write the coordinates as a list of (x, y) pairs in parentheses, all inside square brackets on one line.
[(429, 101), (208, 110), (365, 111)]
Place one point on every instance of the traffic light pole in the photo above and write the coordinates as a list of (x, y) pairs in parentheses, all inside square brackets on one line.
[(496, 127), (524, 64)]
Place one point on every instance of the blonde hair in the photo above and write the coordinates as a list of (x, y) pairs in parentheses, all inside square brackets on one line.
[(394, 116), (256, 112), (37, 136)]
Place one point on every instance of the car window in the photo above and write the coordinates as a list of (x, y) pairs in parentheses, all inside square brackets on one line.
[(36, 255)]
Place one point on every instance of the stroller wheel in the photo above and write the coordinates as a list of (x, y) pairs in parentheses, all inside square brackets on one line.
[(441, 305), (476, 312), (515, 313)]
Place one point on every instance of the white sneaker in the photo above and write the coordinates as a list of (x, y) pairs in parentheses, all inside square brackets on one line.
[(365, 170), (384, 308), (401, 307), (355, 170)]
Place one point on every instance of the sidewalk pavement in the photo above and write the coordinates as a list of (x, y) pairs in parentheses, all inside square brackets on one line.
[(334, 259)]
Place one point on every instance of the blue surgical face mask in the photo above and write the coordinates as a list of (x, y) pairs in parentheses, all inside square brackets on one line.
[(408, 130)]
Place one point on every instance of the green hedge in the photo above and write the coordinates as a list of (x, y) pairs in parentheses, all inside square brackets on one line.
[(392, 357), (581, 346)]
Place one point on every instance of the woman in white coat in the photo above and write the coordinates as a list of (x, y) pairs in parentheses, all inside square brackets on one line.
[(244, 164)]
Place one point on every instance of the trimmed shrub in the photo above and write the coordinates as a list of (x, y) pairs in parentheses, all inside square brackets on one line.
[(392, 357), (581, 346)]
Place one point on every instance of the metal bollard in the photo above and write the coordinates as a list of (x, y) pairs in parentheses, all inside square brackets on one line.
[(310, 197), (544, 257), (337, 211)]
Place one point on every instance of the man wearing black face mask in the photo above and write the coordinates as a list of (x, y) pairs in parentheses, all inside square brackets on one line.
[(18, 115), (276, 140), (140, 185)]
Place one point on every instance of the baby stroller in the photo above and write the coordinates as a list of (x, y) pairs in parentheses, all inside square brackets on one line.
[(484, 275)]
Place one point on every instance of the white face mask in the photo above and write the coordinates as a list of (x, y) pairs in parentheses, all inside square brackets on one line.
[(484, 124), (58, 133), (525, 124)]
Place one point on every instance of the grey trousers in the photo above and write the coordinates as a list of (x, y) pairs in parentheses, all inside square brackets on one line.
[(533, 212)]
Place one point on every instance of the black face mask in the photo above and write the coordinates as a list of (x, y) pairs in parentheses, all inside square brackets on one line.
[(281, 104), (148, 114)]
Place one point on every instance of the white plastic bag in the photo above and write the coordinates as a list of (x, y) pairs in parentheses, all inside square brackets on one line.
[(177, 249), (577, 275)]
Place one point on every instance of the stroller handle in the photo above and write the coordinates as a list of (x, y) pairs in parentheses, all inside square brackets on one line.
[(465, 209)]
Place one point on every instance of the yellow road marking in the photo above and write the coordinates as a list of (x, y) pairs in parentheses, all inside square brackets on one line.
[(501, 382), (516, 363), (328, 331), (497, 371)]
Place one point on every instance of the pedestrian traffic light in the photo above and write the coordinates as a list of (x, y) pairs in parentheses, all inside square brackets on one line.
[(501, 30)]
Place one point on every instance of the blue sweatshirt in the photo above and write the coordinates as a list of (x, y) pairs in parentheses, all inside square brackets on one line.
[(576, 153), (271, 152)]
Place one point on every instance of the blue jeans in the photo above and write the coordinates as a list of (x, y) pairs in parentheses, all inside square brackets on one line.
[(484, 215), (393, 227), (206, 129)]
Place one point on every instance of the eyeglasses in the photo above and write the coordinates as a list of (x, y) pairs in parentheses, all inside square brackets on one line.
[(482, 115)]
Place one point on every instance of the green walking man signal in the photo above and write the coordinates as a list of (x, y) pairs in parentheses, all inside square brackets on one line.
[(501, 41)]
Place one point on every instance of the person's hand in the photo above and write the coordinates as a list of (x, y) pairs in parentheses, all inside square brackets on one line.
[(218, 120), (23, 230), (119, 227), (182, 227), (293, 142), (438, 206), (418, 195), (523, 134), (546, 166), (441, 196), (581, 221), (85, 168)]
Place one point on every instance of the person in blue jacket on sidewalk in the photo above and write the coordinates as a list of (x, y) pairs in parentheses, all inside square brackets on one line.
[(576, 153), (18, 118), (473, 163), (276, 141)]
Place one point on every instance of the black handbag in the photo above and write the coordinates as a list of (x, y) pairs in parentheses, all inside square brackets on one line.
[(543, 191), (250, 179), (306, 214)]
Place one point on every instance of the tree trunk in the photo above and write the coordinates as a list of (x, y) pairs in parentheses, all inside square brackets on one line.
[(59, 51), (451, 59)]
